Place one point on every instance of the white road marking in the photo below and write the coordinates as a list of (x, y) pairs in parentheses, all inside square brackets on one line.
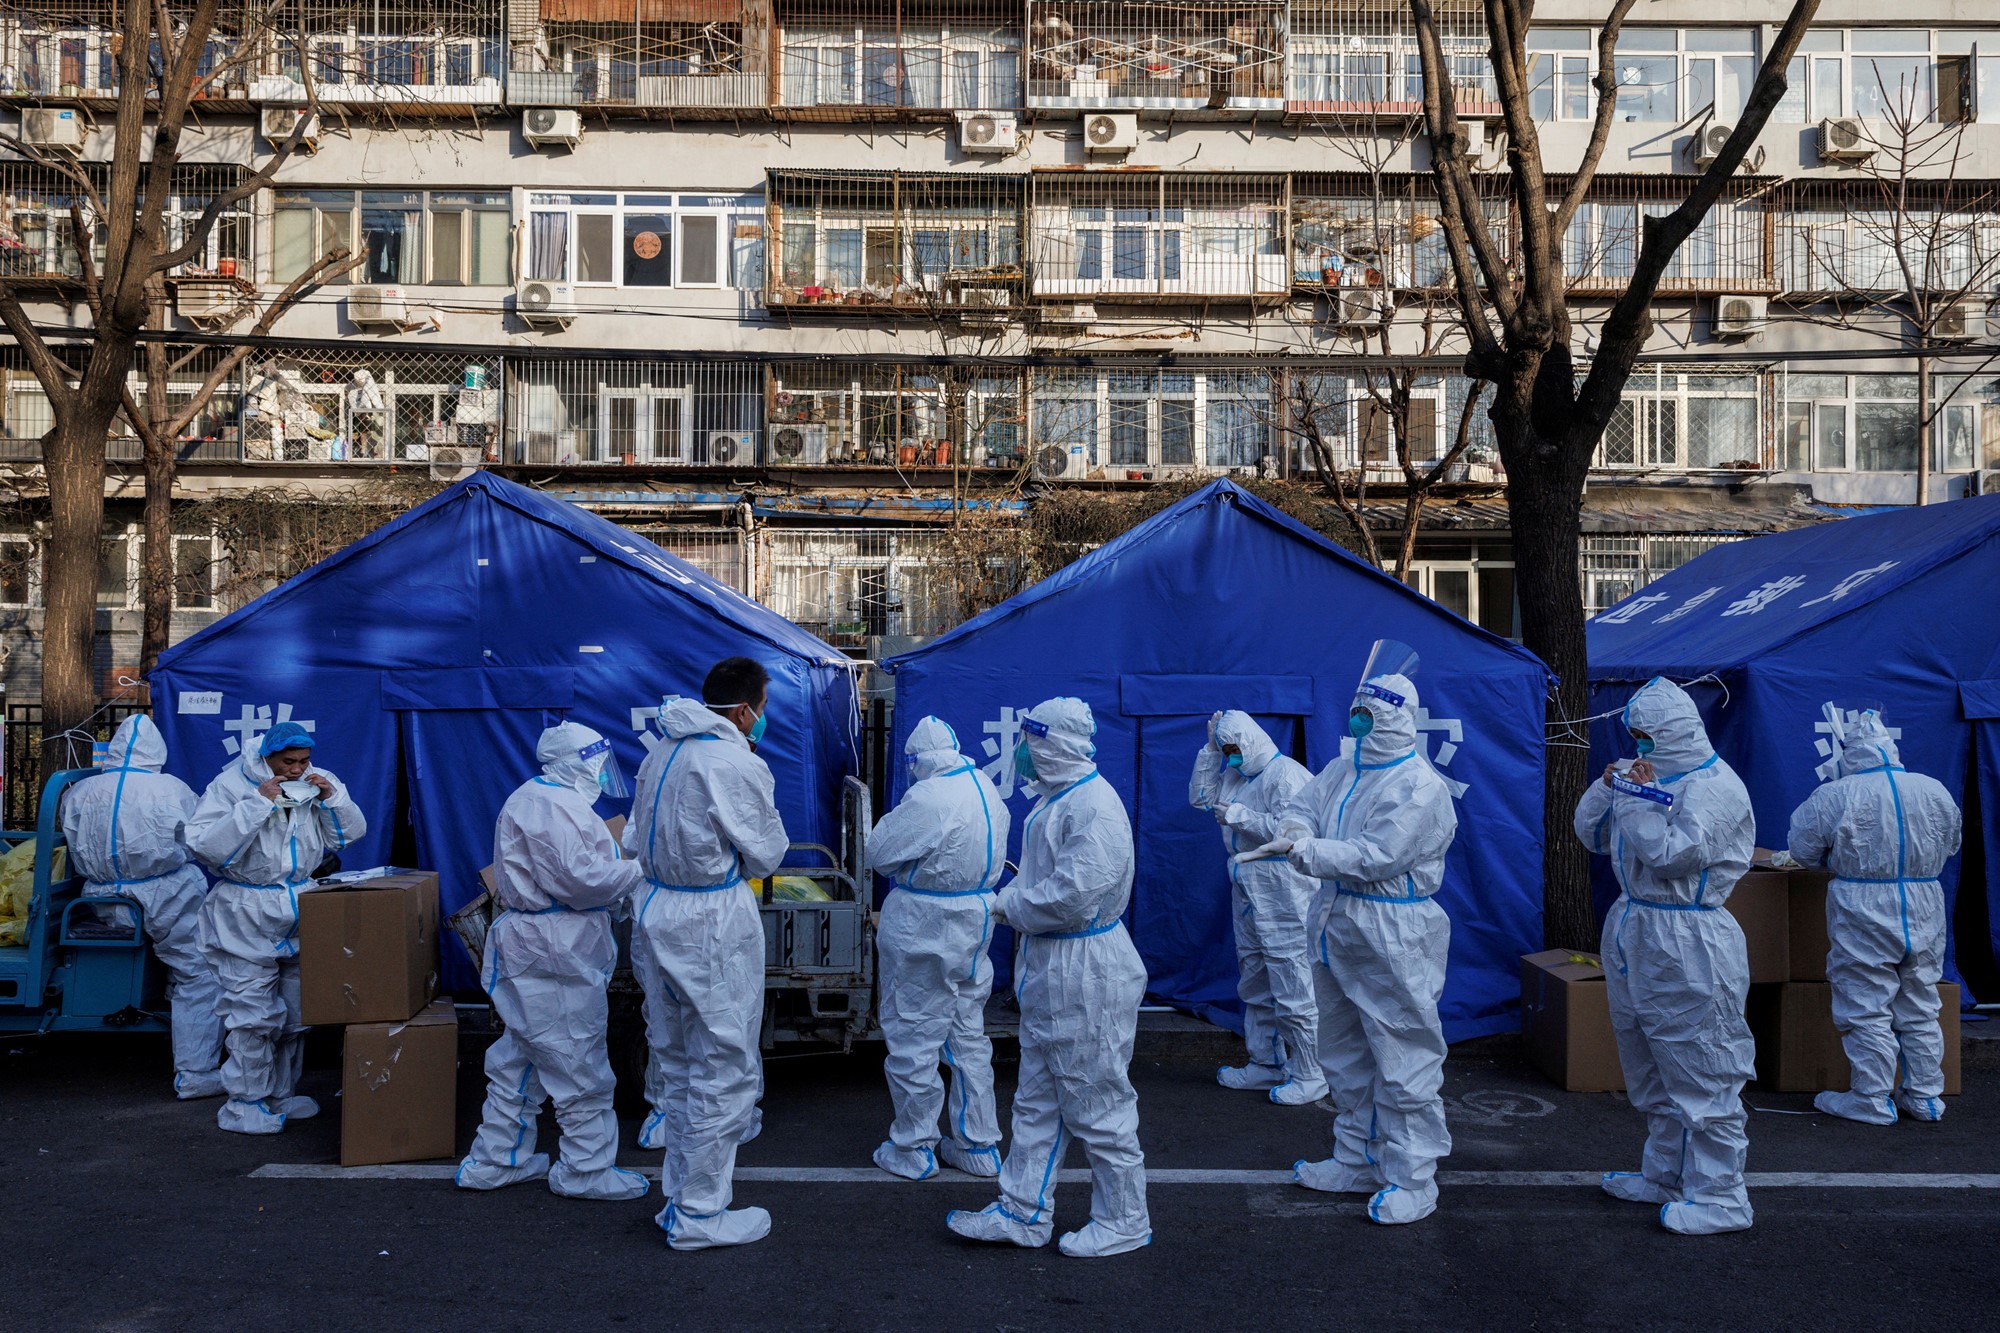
[(863, 1175)]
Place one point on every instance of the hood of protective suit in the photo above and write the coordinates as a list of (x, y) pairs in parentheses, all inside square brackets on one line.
[(1395, 732), (681, 718), (557, 751), (1868, 745), (138, 744), (1664, 711), (1241, 730), (1067, 753), (932, 748)]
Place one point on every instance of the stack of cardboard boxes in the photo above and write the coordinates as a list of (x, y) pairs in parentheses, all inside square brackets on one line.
[(1566, 1022), (368, 959)]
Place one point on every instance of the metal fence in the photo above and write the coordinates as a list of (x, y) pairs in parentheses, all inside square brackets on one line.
[(1616, 565), (24, 757)]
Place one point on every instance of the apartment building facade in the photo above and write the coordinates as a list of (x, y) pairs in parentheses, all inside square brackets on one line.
[(785, 284)]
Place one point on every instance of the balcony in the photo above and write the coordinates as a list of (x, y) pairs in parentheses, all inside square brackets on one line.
[(896, 245), (910, 62), (1159, 238), (1140, 56), (1356, 60), (70, 50), (1729, 252), (645, 55), (441, 56), (893, 417)]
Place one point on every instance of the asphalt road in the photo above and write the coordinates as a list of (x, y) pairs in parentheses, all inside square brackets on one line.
[(124, 1209)]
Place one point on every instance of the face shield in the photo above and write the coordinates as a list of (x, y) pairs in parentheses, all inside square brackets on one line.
[(1024, 758), (1389, 657), (610, 775)]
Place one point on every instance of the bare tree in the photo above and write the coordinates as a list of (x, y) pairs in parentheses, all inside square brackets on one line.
[(1519, 324), (166, 60)]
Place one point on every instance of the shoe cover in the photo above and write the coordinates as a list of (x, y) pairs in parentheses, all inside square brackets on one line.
[(1633, 1187), (241, 1117), (1928, 1109), (298, 1108), (194, 1087), (909, 1163), (1332, 1177), (735, 1226), (1854, 1106), (756, 1125), (1295, 1093), (983, 1162), (614, 1183), (474, 1175), (1097, 1241), (653, 1131), (995, 1224), (1250, 1076), (1395, 1206), (1704, 1219)]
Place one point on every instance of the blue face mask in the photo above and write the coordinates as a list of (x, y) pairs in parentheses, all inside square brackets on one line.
[(1360, 723), (756, 732), (1645, 744), (604, 781), (1024, 763), (1234, 760)]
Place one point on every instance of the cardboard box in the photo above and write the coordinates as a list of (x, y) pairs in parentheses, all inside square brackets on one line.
[(1566, 1021), (1761, 904), (399, 1089), (368, 952), (1809, 941), (616, 824), (1798, 1049)]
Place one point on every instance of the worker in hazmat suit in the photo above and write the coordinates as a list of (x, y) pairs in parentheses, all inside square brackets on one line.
[(1240, 777), (1678, 829), (263, 828), (1885, 832), (1079, 982), (127, 835), (704, 821), (944, 847), (550, 954), (1373, 828)]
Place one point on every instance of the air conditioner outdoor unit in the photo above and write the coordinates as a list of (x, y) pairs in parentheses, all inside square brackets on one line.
[(1055, 462), (281, 122), (988, 132), (797, 446), (733, 447), (55, 128), (1103, 133), (1739, 316), (545, 305), (1709, 143), (1844, 139), (547, 126), (1069, 315), (211, 305), (378, 307), (1359, 308), (1989, 482), (449, 462), (1960, 322)]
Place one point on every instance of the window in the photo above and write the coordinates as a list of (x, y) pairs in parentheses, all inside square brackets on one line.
[(1951, 75), (390, 44), (468, 235), (1832, 241), (1476, 585), (115, 581), (968, 69), (20, 571), (1614, 566), (1666, 76), (1145, 419), (1869, 423), (912, 241), (1559, 61), (1188, 236), (646, 240), (1725, 253), (1694, 422), (194, 571)]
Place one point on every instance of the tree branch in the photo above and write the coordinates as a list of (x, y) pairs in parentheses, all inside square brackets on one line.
[(1606, 84)]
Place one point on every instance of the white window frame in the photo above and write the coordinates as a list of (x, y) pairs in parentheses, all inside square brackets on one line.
[(727, 210), (856, 41), (646, 400)]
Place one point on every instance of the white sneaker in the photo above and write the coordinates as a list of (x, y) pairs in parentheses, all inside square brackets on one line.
[(1253, 1077), (1331, 1177), (1097, 1241), (1395, 1206), (1633, 1187), (995, 1224), (909, 1163), (733, 1226), (983, 1162), (473, 1174)]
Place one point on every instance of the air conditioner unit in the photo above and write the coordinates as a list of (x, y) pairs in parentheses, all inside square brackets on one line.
[(988, 132), (213, 305), (449, 462), (1069, 315), (796, 446), (1988, 482), (1359, 308), (1739, 316), (1844, 139), (732, 447), (1960, 322), (1055, 462), (281, 122), (378, 307), (54, 128), (547, 126), (1104, 133), (545, 305), (1708, 144)]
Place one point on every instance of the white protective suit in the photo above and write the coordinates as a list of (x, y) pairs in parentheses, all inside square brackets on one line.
[(945, 848), (1079, 982), (127, 837), (704, 820), (549, 956), (1374, 828), (263, 857), (1269, 903), (1675, 966), (1885, 832)]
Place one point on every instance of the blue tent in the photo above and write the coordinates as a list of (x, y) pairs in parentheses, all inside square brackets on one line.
[(1223, 602), (1893, 609), (428, 656)]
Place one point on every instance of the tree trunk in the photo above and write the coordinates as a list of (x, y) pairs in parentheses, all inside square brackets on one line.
[(73, 457), (157, 577), (1923, 430)]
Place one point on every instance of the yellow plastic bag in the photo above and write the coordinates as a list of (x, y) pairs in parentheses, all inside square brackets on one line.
[(798, 889), (17, 889)]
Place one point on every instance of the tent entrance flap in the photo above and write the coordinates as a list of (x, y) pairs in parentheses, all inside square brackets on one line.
[(438, 689), (1176, 696), (1980, 699)]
